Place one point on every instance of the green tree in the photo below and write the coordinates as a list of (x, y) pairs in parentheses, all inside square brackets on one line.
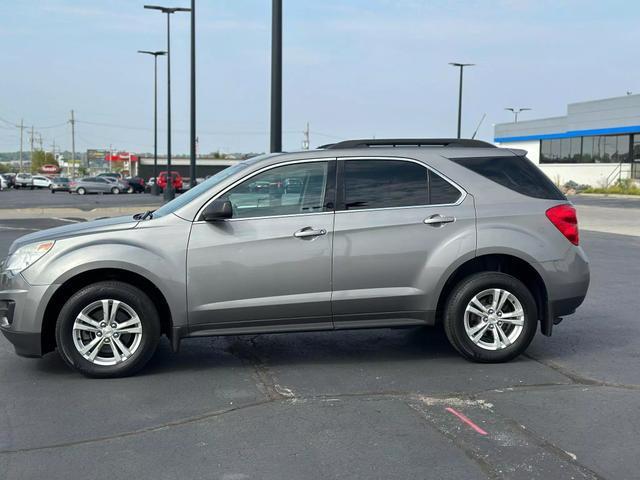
[(41, 158)]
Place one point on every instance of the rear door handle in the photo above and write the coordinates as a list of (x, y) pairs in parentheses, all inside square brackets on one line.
[(439, 220), (308, 232)]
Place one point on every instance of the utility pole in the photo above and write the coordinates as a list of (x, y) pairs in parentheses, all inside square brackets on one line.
[(276, 76), (22, 127), (31, 141), (305, 142), (73, 143)]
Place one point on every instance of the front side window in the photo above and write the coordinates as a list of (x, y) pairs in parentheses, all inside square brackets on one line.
[(287, 190)]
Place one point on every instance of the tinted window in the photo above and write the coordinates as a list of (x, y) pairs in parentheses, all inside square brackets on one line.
[(515, 173), (287, 190), (440, 191), (384, 184)]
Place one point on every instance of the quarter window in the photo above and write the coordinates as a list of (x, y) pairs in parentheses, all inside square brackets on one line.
[(286, 190), (441, 192)]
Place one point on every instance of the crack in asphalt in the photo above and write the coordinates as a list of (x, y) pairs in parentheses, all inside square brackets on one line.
[(278, 397), (580, 379)]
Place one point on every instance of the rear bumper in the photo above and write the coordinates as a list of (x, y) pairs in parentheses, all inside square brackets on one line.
[(567, 283)]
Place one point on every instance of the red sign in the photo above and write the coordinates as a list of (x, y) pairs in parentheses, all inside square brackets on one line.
[(121, 157), (49, 168)]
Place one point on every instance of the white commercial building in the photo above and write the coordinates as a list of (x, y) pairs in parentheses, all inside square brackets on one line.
[(595, 143)]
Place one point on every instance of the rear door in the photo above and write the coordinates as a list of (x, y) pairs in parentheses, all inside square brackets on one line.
[(398, 227)]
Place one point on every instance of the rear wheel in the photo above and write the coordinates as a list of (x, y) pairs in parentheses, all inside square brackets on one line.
[(490, 317), (108, 329), (115, 190), (81, 191)]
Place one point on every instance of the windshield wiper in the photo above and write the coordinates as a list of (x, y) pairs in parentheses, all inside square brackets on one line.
[(144, 216)]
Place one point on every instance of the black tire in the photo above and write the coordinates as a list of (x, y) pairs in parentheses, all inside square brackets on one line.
[(131, 190), (463, 293), (113, 290), (53, 191)]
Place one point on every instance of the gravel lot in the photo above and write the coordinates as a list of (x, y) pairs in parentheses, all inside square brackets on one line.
[(360, 404)]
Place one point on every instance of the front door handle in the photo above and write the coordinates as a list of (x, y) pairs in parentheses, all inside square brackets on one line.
[(308, 232), (439, 220)]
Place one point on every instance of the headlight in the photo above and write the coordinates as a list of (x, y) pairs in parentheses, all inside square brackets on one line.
[(26, 256)]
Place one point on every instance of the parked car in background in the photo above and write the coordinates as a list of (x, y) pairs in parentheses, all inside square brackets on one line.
[(40, 181), (4, 183), (136, 185), (177, 181), (96, 185), (381, 233), (23, 180), (60, 184), (111, 174), (10, 178)]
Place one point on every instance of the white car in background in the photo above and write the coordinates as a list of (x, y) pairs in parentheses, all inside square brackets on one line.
[(23, 180), (40, 181), (3, 183)]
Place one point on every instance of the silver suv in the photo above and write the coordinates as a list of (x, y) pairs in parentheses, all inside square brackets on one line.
[(359, 234)]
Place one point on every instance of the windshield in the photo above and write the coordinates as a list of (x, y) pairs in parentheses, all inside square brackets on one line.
[(196, 191)]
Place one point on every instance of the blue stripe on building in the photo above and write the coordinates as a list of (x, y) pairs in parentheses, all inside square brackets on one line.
[(571, 134)]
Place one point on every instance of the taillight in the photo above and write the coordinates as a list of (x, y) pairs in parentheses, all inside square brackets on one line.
[(565, 219)]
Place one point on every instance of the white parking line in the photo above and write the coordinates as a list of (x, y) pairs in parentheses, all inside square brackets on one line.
[(70, 220)]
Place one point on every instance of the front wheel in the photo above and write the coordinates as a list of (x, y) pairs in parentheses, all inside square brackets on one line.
[(108, 329), (490, 317), (115, 190), (81, 191)]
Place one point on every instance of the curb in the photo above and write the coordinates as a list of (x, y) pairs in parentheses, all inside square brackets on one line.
[(606, 195)]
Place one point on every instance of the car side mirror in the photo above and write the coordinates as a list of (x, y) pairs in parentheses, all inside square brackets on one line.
[(217, 210)]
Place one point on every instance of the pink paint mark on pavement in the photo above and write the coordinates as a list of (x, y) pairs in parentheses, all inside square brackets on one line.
[(466, 420)]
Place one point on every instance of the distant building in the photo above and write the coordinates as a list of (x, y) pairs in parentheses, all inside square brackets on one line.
[(204, 166), (596, 143)]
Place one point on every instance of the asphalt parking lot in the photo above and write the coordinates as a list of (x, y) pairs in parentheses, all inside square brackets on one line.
[(362, 404), (22, 198)]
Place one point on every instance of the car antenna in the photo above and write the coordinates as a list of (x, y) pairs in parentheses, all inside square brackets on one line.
[(478, 127)]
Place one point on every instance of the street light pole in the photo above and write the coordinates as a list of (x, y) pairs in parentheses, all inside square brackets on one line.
[(169, 194), (276, 76), (461, 66), (154, 187), (517, 111), (192, 165)]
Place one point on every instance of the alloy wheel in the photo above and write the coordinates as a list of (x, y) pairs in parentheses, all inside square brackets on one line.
[(107, 332), (494, 319)]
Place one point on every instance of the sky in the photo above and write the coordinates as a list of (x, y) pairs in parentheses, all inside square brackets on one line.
[(352, 68)]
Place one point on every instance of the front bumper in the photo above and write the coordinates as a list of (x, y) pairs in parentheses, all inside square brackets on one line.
[(21, 313)]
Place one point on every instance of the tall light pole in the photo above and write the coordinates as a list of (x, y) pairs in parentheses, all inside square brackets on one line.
[(276, 76), (516, 111), (156, 54), (169, 194), (192, 126), (461, 66)]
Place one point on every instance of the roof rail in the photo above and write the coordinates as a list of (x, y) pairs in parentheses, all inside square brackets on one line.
[(410, 142)]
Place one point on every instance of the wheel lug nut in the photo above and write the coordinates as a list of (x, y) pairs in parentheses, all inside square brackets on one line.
[(499, 324), (114, 325), (499, 314), (115, 335), (102, 324), (106, 340), (99, 334)]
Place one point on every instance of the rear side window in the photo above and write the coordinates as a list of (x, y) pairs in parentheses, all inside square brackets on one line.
[(515, 173), (384, 184), (394, 183)]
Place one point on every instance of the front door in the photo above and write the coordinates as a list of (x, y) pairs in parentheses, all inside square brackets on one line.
[(270, 264), (398, 226)]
